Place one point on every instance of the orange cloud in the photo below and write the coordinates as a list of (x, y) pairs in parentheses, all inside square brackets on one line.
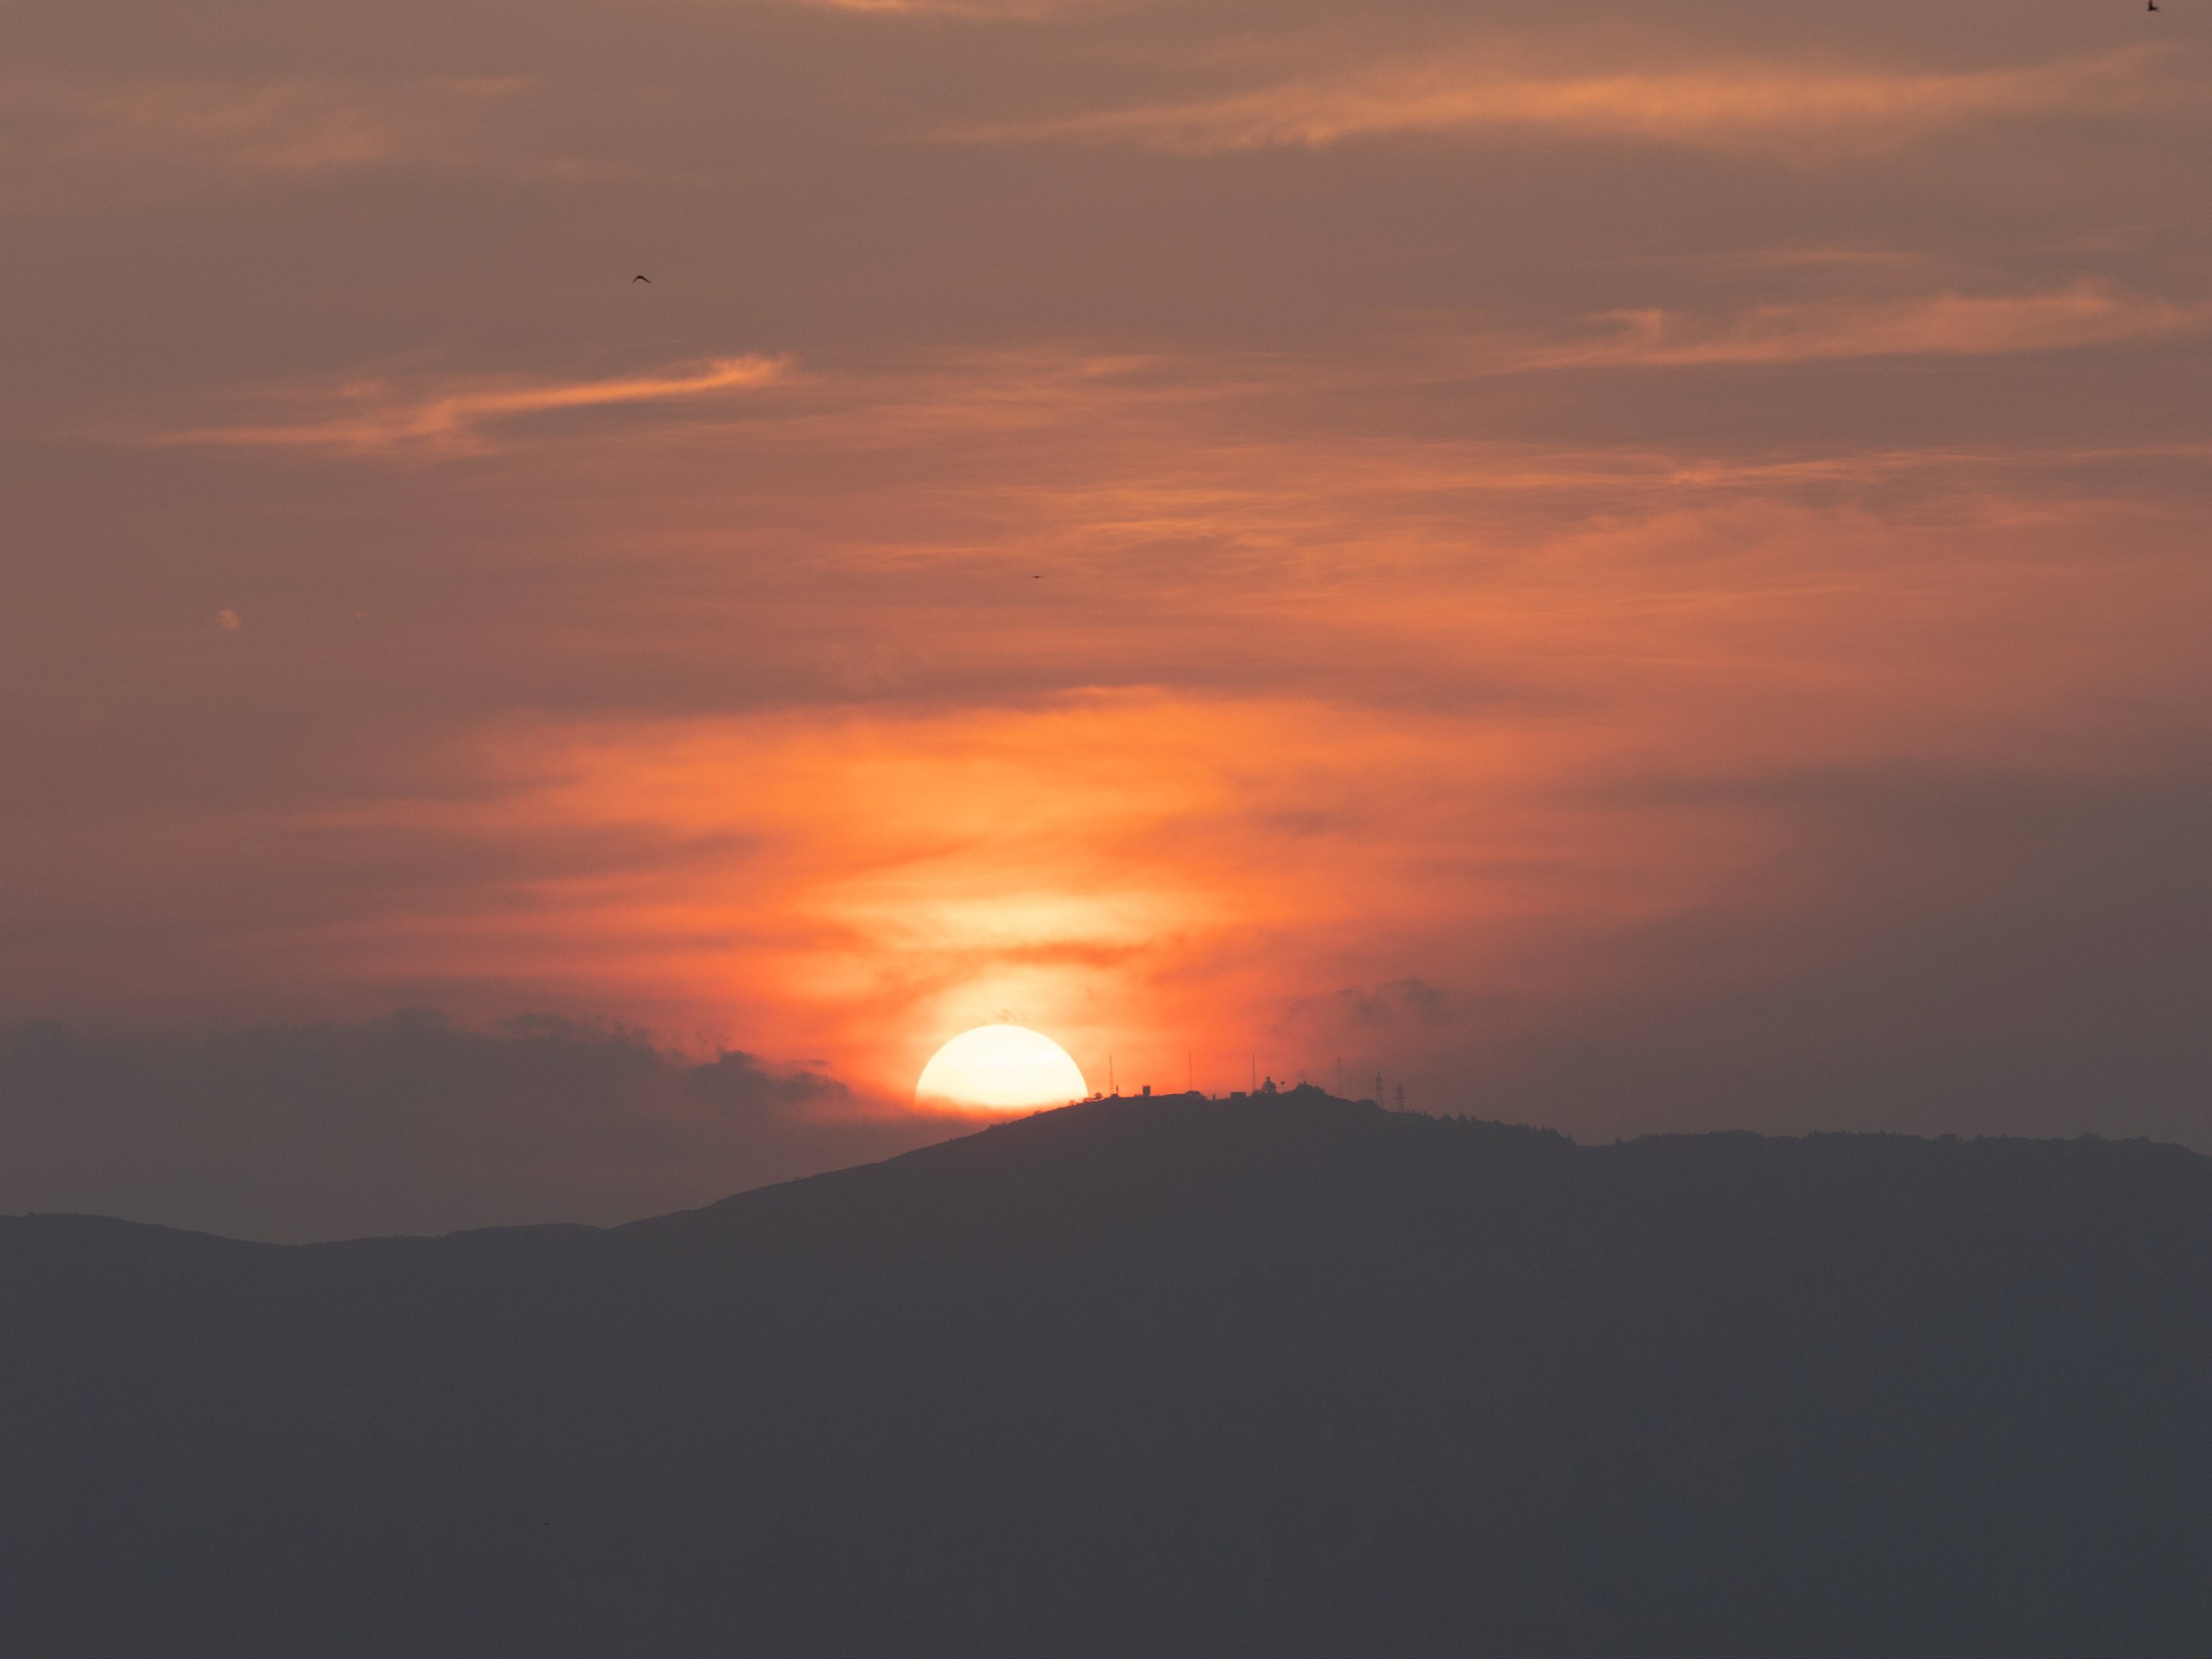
[(1302, 705), (883, 882), (1015, 11), (1727, 107), (1502, 763), (2088, 313), (140, 137), (383, 418)]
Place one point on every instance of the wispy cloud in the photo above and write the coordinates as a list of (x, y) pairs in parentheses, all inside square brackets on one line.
[(145, 136), (1723, 106), (288, 124), (1012, 10), (2087, 313), (375, 417)]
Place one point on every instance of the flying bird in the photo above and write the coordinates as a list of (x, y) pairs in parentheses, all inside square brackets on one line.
[(648, 279)]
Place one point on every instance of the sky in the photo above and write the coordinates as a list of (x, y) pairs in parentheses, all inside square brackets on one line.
[(1633, 567)]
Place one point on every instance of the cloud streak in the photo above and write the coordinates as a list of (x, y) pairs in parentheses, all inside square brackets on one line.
[(384, 419), (2083, 313), (1725, 107), (67, 136), (1010, 10)]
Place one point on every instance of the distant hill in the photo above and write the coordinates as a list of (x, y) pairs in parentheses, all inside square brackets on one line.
[(1163, 1376)]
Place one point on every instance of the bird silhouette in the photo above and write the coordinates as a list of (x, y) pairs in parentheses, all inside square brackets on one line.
[(648, 279)]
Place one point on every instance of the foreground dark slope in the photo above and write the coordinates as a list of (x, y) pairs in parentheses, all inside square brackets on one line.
[(1290, 1376)]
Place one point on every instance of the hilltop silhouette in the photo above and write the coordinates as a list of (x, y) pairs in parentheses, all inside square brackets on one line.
[(1154, 1376)]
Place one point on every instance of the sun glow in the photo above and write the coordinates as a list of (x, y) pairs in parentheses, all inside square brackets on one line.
[(999, 1069)]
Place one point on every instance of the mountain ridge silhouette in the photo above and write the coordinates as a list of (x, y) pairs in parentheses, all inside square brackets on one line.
[(1283, 1375)]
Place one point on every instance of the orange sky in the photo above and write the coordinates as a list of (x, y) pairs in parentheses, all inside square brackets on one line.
[(1637, 569)]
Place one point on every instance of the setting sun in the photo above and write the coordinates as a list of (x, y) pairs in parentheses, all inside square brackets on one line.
[(999, 1069)]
